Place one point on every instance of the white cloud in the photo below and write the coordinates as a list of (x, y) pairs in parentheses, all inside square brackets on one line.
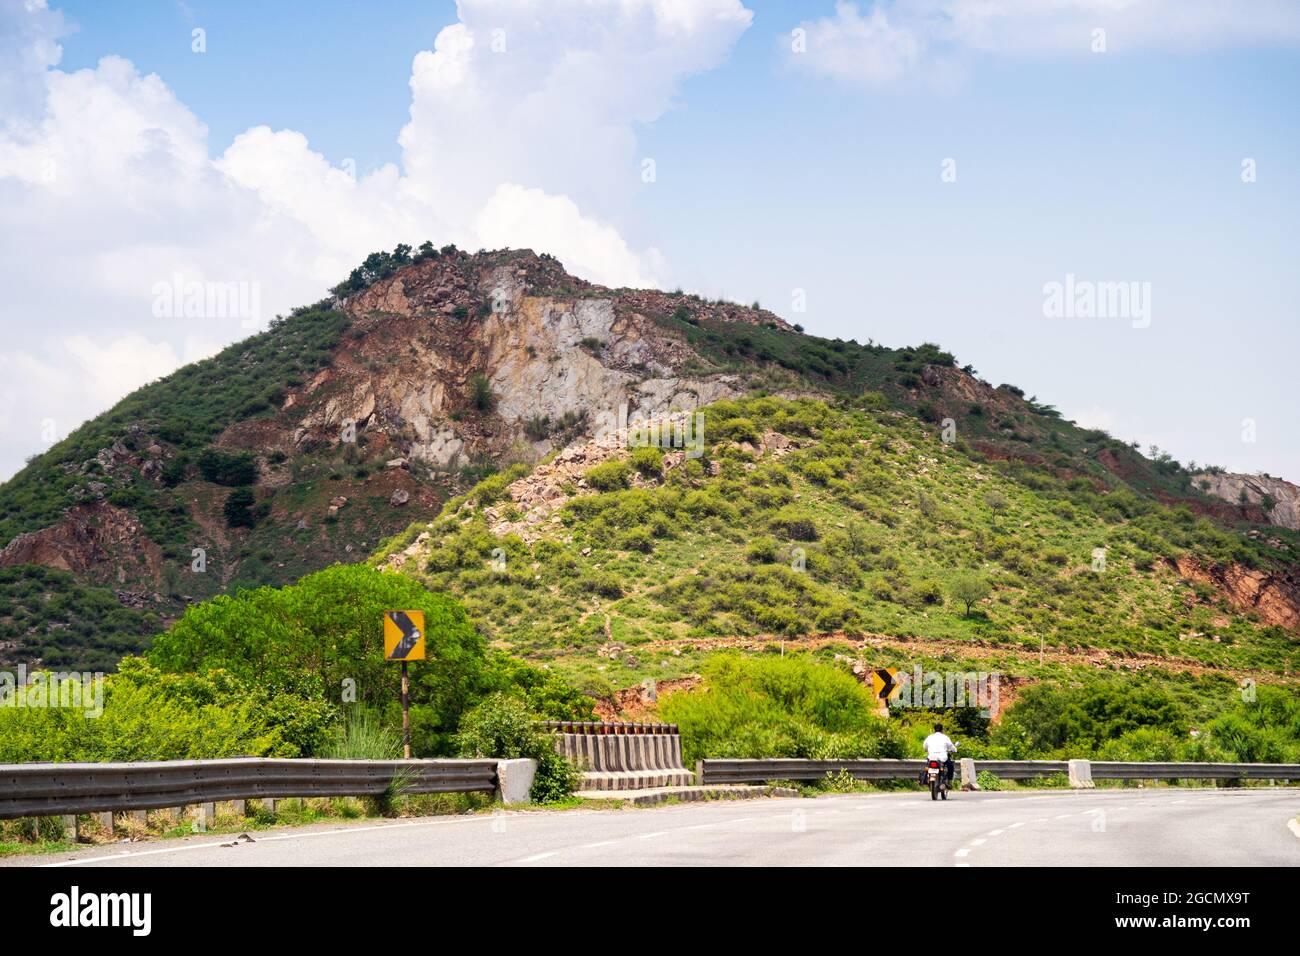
[(530, 217), (111, 186), (930, 39)]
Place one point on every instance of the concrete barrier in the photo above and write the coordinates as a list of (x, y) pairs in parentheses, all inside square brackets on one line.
[(515, 780), (624, 756), (1081, 775), (968, 774)]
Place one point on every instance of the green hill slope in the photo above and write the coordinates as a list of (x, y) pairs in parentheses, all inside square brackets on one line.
[(802, 517)]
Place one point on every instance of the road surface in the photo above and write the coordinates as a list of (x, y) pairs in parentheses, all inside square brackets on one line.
[(1167, 827)]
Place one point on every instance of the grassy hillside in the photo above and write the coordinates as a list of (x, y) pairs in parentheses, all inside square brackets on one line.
[(867, 526)]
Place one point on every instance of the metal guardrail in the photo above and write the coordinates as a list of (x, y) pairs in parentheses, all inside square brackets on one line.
[(762, 771), (56, 789), (1122, 770)]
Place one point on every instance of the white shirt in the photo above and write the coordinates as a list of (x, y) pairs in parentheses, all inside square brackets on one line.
[(938, 746)]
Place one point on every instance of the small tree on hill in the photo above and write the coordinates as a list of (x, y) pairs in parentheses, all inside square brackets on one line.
[(969, 588)]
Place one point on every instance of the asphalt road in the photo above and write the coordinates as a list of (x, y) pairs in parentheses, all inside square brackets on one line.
[(1168, 827)]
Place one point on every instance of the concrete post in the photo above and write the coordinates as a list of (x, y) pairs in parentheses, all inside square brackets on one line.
[(239, 807), (106, 820), (140, 816), (268, 804), (968, 776), (515, 780), (1081, 775), (69, 827)]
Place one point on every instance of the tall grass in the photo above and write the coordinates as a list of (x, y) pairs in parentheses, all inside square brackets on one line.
[(364, 736)]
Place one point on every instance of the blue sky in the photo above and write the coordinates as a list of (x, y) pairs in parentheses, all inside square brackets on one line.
[(774, 172)]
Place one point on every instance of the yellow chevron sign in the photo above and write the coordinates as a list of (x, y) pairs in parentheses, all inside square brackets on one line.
[(883, 685), (403, 635)]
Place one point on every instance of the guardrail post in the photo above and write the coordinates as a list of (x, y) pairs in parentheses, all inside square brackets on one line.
[(239, 807), (1081, 775), (69, 827), (699, 772), (268, 804), (105, 820), (968, 777), (204, 815)]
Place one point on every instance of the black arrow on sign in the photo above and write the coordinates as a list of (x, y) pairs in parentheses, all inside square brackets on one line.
[(887, 679), (410, 635)]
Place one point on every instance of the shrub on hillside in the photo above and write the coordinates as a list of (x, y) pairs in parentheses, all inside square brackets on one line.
[(794, 523), (647, 461), (609, 475), (224, 468)]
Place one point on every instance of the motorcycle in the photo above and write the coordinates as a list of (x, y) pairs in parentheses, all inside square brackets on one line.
[(936, 777)]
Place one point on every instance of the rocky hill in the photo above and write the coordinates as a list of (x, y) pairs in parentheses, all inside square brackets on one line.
[(1277, 499), (426, 372)]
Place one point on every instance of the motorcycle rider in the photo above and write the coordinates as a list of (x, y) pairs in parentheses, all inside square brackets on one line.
[(939, 747)]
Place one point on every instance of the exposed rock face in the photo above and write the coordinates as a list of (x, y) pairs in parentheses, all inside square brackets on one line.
[(1275, 597), (551, 348), (92, 536), (1285, 496)]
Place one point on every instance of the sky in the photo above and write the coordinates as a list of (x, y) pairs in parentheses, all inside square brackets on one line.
[(1095, 200)]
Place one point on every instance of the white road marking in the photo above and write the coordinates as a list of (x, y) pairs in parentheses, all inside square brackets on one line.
[(592, 846), (978, 842), (1294, 827), (996, 832), (651, 836), (1062, 816), (964, 851), (1016, 825), (537, 856)]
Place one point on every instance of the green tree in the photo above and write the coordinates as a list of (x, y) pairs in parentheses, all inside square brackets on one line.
[(969, 588), (326, 633)]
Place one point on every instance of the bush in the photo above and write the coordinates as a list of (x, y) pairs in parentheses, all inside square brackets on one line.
[(503, 727), (150, 715), (636, 539), (240, 508), (480, 393), (786, 706), (794, 523), (226, 469), (647, 461), (609, 475)]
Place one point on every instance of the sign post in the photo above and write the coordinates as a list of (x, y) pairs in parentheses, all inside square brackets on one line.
[(404, 641)]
